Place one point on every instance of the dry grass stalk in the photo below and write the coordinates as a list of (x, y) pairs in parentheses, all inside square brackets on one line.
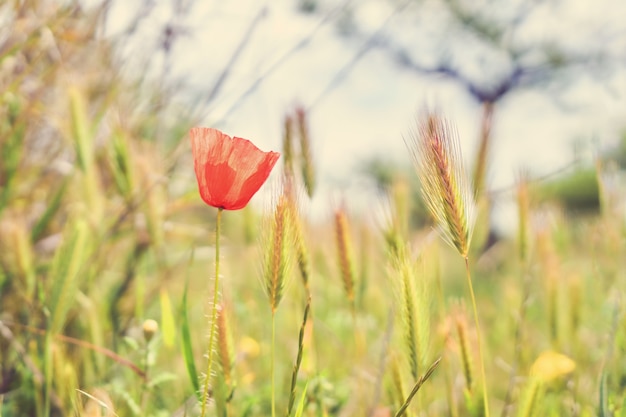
[(531, 398), (398, 392), (98, 403), (277, 257), (278, 245), (523, 208), (296, 229), (575, 302), (401, 191), (466, 357), (445, 186), (16, 252), (288, 151), (482, 158), (344, 251), (308, 169), (396, 217), (295, 223), (302, 255), (549, 264)]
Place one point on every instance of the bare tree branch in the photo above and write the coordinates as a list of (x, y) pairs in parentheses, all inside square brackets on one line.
[(221, 79), (299, 45), (369, 43)]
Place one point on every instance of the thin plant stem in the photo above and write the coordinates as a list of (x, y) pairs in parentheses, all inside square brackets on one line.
[(478, 337), (144, 386), (417, 387), (47, 374), (355, 326), (519, 330), (273, 359), (207, 377)]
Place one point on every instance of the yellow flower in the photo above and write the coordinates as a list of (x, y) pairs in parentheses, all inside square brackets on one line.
[(550, 366)]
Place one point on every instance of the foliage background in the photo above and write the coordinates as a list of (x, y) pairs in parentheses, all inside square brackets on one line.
[(101, 228)]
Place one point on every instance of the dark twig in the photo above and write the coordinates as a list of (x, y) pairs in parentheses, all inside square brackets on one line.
[(81, 343)]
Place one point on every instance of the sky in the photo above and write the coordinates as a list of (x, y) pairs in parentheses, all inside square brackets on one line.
[(364, 108)]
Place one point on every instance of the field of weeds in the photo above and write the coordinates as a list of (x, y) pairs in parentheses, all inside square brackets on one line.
[(110, 250)]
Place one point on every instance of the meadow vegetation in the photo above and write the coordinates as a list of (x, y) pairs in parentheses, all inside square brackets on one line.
[(107, 258)]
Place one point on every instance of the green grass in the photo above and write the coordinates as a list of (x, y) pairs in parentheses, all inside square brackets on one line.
[(102, 229)]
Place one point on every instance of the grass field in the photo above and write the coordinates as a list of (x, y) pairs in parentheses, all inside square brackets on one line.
[(107, 270)]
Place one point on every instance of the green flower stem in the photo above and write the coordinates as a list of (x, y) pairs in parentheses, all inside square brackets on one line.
[(212, 331), (478, 337), (273, 364)]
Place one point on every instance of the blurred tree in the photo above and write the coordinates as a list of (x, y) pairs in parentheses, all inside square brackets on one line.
[(491, 49)]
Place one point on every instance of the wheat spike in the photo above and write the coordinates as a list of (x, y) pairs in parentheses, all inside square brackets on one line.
[(276, 257), (345, 253), (445, 185), (288, 154), (308, 169)]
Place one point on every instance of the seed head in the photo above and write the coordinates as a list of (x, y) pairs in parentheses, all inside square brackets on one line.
[(445, 186)]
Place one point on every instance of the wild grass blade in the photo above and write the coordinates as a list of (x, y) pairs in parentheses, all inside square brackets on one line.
[(52, 208), (481, 357), (466, 357), (530, 400), (83, 142), (603, 402), (302, 256), (397, 382), (308, 168), (121, 164), (168, 326), (482, 157), (410, 321), (67, 264), (296, 366), (288, 151), (65, 273), (186, 342), (302, 402), (417, 387), (11, 149)]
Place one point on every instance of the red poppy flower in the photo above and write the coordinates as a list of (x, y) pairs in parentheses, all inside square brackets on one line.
[(229, 170)]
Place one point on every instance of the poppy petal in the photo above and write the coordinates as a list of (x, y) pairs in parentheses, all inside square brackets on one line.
[(229, 170)]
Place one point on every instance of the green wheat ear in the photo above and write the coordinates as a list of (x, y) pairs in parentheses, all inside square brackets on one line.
[(412, 293), (288, 151), (344, 254), (278, 246), (445, 186)]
